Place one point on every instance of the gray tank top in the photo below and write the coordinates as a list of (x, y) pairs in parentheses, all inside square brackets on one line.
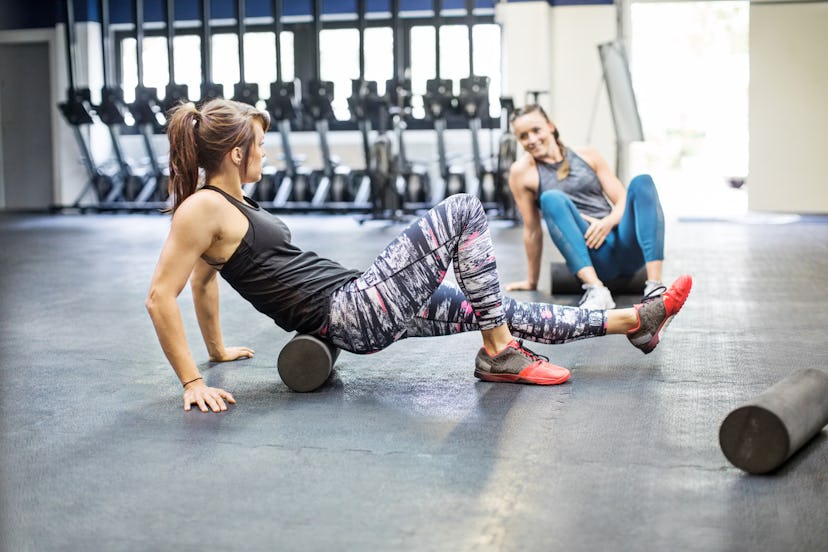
[(581, 185)]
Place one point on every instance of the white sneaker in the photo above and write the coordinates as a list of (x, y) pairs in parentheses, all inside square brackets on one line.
[(596, 297)]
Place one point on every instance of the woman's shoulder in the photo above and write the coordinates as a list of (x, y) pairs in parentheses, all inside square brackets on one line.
[(523, 164), (589, 154), (202, 206)]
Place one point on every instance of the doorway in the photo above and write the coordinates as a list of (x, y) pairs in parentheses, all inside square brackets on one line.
[(26, 161)]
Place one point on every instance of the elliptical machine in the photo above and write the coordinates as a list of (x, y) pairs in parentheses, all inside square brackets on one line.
[(294, 179), (439, 102), (367, 106), (293, 183), (413, 183), (111, 111), (147, 113), (78, 112), (331, 183), (506, 155), (473, 101)]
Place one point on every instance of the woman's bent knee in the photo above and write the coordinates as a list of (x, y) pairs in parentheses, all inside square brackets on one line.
[(642, 182), (554, 201)]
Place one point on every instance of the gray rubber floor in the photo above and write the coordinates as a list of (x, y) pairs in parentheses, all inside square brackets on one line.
[(404, 449)]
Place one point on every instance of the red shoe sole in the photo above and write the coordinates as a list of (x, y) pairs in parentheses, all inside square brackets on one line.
[(517, 378)]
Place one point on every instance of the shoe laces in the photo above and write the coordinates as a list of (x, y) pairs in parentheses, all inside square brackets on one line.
[(654, 294), (530, 354)]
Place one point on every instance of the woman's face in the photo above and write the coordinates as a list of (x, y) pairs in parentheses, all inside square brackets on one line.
[(534, 133), (253, 171)]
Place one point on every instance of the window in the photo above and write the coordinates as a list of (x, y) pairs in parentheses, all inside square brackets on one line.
[(339, 63), (379, 56), (260, 59), (225, 54), (486, 43), (423, 65), (454, 53), (186, 56), (156, 72)]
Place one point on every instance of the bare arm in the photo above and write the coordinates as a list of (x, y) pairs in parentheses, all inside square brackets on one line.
[(615, 192), (189, 237), (204, 285), (521, 184)]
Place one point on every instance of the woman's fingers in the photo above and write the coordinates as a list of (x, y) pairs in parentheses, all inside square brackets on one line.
[(234, 353), (208, 398)]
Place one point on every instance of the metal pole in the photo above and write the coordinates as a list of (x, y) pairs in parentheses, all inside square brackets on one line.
[(138, 18), (470, 25), (103, 7), (169, 10), (317, 30), (206, 54), (277, 31), (361, 28), (240, 29), (437, 7), (69, 7)]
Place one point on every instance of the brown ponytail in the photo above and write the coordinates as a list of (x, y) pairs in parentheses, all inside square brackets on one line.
[(563, 169), (201, 139)]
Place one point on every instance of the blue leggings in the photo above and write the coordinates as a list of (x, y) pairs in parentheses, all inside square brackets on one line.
[(403, 292), (638, 238)]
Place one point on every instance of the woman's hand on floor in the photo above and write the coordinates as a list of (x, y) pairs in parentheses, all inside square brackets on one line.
[(232, 353), (197, 393)]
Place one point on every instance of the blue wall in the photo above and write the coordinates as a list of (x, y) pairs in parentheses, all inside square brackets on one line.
[(34, 14)]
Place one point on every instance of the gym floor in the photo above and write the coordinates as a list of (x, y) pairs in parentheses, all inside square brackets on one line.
[(404, 449)]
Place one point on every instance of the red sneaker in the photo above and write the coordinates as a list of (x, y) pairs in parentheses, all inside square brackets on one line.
[(517, 364), (656, 313)]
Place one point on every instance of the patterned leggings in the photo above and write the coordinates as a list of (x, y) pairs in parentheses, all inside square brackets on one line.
[(402, 294)]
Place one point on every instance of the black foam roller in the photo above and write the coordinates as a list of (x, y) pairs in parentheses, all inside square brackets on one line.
[(761, 434), (563, 282), (305, 363)]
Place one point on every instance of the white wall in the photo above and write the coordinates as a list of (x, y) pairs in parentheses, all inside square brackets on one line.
[(556, 49), (577, 79), (788, 107)]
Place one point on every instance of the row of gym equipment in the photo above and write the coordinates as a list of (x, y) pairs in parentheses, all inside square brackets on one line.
[(388, 185)]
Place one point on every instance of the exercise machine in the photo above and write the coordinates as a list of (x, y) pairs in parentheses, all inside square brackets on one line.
[(332, 184), (78, 112), (506, 155), (112, 111), (149, 118), (439, 102), (473, 103), (209, 89), (413, 182), (293, 181), (174, 93)]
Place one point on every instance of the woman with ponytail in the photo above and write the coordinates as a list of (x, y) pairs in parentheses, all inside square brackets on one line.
[(217, 230), (603, 230)]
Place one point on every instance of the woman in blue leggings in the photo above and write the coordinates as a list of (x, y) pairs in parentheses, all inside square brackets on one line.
[(603, 230)]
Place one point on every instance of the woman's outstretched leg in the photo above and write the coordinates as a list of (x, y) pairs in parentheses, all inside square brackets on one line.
[(447, 313)]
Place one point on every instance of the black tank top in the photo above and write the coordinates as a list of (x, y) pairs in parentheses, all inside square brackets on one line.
[(291, 286)]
